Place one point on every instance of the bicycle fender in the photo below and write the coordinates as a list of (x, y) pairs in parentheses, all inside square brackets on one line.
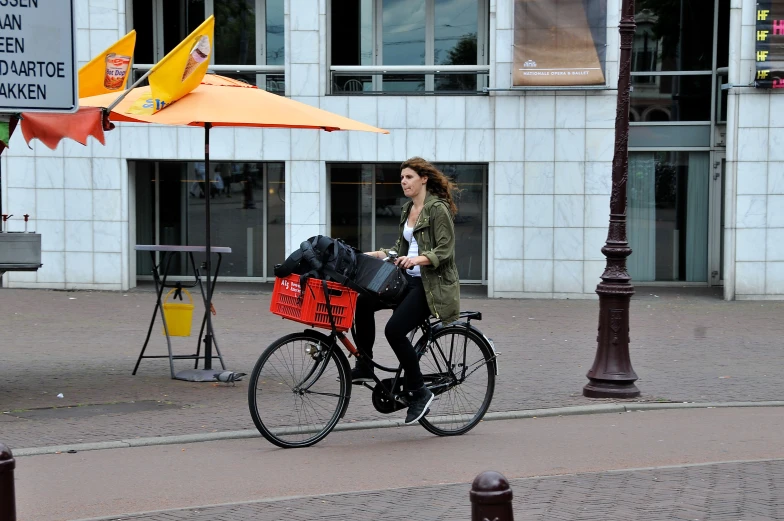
[(476, 330)]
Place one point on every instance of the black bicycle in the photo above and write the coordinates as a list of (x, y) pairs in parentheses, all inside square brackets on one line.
[(301, 385)]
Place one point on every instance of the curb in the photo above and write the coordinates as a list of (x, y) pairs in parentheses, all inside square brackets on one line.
[(385, 424)]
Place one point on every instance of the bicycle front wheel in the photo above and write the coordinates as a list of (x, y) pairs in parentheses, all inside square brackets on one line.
[(457, 367), (298, 390)]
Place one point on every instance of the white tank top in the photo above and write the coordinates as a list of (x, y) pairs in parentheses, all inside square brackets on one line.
[(413, 248)]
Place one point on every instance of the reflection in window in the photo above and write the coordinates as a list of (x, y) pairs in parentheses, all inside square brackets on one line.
[(180, 18), (239, 37), (353, 43), (408, 32), (276, 215), (389, 202), (469, 232), (671, 98), (353, 209), (681, 34), (403, 42), (645, 54), (456, 23), (238, 192), (351, 190), (275, 37), (235, 32)]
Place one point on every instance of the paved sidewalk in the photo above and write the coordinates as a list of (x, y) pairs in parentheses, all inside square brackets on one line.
[(745, 491), (687, 345)]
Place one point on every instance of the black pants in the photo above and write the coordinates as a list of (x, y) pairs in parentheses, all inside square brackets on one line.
[(409, 314)]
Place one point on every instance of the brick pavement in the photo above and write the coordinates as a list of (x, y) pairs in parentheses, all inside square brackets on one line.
[(687, 345), (742, 491)]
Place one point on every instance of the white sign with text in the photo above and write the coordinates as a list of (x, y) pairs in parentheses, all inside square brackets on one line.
[(37, 56)]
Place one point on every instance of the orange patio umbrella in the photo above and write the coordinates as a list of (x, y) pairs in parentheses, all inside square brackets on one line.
[(224, 102)]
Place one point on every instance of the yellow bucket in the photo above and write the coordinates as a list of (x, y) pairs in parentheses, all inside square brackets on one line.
[(179, 316)]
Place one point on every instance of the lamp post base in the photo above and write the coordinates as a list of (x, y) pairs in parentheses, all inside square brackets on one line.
[(596, 389), (612, 375)]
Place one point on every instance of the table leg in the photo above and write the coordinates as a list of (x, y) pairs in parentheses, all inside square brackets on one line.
[(160, 286), (197, 276), (212, 290), (170, 256), (206, 323), (207, 374), (209, 337)]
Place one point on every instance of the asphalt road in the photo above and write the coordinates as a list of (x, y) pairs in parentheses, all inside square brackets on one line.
[(111, 482)]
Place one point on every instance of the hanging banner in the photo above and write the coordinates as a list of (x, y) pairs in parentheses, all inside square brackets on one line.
[(108, 72), (770, 44), (179, 72), (559, 42)]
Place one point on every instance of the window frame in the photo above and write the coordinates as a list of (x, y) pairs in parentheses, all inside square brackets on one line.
[(209, 9), (713, 72), (373, 166), (482, 36)]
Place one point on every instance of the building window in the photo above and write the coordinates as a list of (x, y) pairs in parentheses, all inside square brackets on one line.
[(249, 39), (673, 61), (366, 201), (409, 46), (247, 207)]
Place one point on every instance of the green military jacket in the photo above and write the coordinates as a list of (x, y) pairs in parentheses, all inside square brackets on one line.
[(434, 232)]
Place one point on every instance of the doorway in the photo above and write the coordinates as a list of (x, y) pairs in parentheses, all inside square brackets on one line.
[(675, 217)]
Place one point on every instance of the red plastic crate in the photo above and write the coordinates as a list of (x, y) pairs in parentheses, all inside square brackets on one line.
[(312, 310)]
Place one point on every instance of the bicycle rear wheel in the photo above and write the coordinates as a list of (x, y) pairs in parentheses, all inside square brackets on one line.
[(458, 369), (298, 390)]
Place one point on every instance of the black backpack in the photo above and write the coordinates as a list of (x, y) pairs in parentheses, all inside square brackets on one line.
[(321, 257), (326, 258)]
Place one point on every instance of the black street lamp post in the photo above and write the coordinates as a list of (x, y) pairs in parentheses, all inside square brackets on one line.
[(611, 375)]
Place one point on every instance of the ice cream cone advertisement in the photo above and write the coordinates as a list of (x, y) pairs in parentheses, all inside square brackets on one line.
[(179, 72), (199, 54), (108, 72)]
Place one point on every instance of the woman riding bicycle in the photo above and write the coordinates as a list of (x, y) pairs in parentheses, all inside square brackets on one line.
[(426, 250)]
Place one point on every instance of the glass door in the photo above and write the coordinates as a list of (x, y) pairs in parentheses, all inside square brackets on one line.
[(669, 213)]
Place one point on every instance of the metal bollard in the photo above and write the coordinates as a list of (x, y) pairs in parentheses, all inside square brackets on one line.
[(7, 494), (491, 498)]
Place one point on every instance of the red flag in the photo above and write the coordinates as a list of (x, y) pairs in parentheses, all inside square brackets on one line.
[(50, 128)]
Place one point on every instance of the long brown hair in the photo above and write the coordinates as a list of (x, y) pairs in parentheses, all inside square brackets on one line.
[(438, 183)]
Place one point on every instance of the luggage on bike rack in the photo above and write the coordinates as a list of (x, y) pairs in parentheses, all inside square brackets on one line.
[(379, 278), (323, 257)]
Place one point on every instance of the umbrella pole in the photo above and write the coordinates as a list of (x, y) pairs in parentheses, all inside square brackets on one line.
[(207, 374), (207, 243)]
